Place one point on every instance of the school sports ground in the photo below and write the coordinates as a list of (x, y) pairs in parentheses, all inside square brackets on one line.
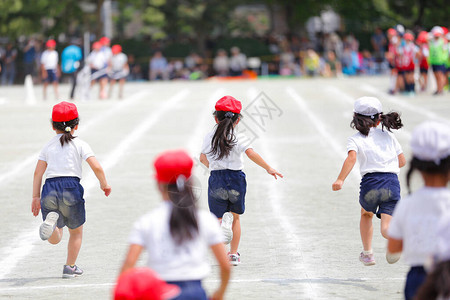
[(299, 240)]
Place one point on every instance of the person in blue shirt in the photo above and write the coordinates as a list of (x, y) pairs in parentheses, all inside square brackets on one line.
[(71, 60)]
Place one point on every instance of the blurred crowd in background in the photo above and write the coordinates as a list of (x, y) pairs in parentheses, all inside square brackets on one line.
[(331, 54)]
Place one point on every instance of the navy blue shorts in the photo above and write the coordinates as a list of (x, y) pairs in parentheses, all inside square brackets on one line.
[(438, 68), (51, 76), (379, 193), (415, 278), (64, 195), (190, 290), (226, 192), (423, 71)]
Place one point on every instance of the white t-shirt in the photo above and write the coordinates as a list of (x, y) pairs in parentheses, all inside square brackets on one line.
[(66, 160), (98, 60), (173, 262), (415, 221), (118, 62), (49, 59), (234, 161), (377, 152)]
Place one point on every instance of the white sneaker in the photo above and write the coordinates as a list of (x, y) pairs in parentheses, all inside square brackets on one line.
[(392, 258), (227, 224), (49, 225)]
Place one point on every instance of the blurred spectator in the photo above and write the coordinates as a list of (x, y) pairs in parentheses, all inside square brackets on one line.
[(71, 59), (332, 42), (221, 63), (135, 69), (9, 64), (311, 63), (158, 67), (379, 43), (192, 61), (287, 62), (2, 54), (368, 63), (238, 62), (29, 56), (333, 67), (177, 70)]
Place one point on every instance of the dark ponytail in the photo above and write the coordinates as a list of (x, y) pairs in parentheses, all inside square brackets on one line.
[(431, 167), (391, 120), (224, 139), (64, 127), (436, 285), (183, 219), (364, 123)]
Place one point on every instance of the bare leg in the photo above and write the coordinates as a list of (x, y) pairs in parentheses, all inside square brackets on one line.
[(236, 234), (366, 229), (56, 236), (103, 83), (55, 87), (121, 84), (45, 90), (385, 221), (74, 245), (111, 86)]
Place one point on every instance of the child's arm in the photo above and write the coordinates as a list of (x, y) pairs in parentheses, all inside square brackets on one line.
[(100, 174), (204, 160), (401, 160), (257, 159), (225, 270), (41, 166), (346, 168), (133, 254)]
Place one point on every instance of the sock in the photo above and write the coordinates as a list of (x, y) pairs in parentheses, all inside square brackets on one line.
[(72, 265), (392, 82), (368, 252)]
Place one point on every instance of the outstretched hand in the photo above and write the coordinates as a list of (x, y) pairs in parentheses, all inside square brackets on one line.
[(274, 173)]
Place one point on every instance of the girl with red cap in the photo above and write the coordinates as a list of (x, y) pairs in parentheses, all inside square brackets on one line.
[(61, 201), (176, 234), (222, 153), (49, 67), (118, 69), (98, 62)]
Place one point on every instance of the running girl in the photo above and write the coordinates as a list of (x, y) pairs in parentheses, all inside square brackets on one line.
[(61, 201), (380, 157), (414, 226), (49, 67), (118, 69), (98, 62), (424, 52), (222, 153), (176, 234)]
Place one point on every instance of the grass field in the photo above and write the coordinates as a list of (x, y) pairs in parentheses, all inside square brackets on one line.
[(299, 239)]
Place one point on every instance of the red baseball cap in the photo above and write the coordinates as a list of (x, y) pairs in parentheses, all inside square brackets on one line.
[(170, 165), (228, 103), (408, 36), (143, 284), (96, 45), (392, 31), (50, 43), (104, 40), (116, 49), (64, 111)]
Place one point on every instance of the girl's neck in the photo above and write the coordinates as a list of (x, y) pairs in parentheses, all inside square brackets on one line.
[(435, 180)]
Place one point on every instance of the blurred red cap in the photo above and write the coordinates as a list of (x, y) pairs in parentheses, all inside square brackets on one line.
[(143, 284), (64, 111), (392, 31), (170, 165), (408, 36), (96, 45), (50, 44), (228, 103), (104, 41), (116, 49), (422, 37)]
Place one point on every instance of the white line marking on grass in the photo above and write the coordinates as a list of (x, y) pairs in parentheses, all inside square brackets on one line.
[(275, 196), (406, 105), (248, 280), (21, 246), (27, 162), (318, 124)]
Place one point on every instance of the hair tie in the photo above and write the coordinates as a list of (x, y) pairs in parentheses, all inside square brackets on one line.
[(372, 117), (68, 129), (229, 114), (181, 180)]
